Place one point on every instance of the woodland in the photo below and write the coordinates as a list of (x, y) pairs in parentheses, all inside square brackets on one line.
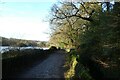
[(90, 32)]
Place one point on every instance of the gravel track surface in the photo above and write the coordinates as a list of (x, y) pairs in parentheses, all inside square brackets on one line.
[(52, 67)]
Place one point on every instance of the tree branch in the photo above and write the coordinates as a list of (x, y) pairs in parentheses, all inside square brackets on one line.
[(60, 14)]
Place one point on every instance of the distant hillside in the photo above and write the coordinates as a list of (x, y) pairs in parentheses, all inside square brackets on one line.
[(21, 42)]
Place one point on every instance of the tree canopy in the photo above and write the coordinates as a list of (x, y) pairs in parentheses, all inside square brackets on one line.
[(92, 26)]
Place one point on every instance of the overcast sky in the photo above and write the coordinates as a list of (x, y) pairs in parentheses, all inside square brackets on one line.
[(25, 20)]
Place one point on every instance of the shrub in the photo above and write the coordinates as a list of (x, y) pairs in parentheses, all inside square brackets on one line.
[(52, 49)]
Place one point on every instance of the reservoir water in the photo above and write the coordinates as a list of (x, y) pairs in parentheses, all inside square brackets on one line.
[(7, 48)]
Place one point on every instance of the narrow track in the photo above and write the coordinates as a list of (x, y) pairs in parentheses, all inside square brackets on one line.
[(52, 67)]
